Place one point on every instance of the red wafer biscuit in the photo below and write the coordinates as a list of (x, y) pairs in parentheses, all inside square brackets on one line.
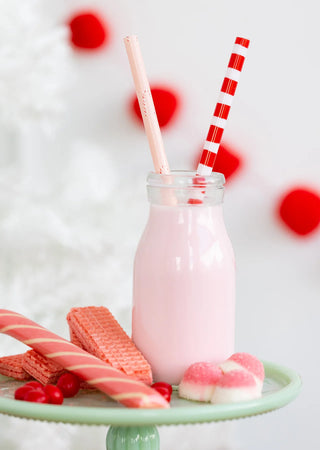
[(41, 368), (99, 333), (74, 339), (113, 382), (44, 370), (11, 366)]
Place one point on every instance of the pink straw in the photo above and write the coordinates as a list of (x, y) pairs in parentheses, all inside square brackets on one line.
[(220, 115), (146, 104)]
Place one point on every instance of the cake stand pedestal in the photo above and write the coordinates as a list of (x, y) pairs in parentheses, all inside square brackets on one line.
[(135, 429)]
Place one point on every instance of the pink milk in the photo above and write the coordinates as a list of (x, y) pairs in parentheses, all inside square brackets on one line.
[(184, 277)]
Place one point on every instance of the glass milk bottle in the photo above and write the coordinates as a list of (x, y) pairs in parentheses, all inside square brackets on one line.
[(184, 276)]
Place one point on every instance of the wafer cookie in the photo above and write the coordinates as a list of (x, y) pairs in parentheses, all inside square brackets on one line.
[(99, 333), (11, 366), (41, 368)]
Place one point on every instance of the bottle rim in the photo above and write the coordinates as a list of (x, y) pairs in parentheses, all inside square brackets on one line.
[(185, 178)]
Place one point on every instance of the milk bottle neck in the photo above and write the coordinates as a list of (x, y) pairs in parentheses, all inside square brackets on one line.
[(185, 189)]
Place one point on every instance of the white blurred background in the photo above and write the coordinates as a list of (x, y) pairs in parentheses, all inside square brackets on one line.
[(73, 163)]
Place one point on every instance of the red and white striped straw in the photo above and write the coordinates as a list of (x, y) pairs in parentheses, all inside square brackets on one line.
[(221, 112)]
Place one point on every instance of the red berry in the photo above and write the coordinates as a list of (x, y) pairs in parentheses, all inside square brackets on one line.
[(166, 103), (36, 396), (21, 392), (299, 209), (69, 384), (54, 393), (163, 385), (88, 31)]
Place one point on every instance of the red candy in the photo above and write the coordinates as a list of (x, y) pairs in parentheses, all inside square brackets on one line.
[(21, 392), (299, 209), (36, 392), (36, 396), (54, 393), (166, 103), (163, 385), (164, 389), (195, 201), (88, 31), (34, 385), (69, 385)]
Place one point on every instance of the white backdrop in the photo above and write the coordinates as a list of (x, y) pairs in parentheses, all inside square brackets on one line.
[(73, 169)]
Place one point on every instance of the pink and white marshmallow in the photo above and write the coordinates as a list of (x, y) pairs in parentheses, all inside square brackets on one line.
[(246, 362), (199, 381), (236, 386)]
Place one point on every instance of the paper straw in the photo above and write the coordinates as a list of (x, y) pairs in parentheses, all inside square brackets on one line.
[(147, 108), (221, 112)]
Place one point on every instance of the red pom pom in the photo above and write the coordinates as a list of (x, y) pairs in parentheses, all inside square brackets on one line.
[(227, 161), (299, 209), (88, 31), (166, 103)]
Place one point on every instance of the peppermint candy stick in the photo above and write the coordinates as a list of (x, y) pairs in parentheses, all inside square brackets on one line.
[(97, 373)]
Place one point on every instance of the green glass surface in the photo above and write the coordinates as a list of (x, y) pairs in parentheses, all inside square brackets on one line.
[(281, 386)]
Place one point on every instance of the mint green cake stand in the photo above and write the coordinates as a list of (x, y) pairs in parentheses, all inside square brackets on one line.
[(135, 429)]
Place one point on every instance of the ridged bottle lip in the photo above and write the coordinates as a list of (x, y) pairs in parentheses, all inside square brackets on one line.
[(183, 178), (185, 188)]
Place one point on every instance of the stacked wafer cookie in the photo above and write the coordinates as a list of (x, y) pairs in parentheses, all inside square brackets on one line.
[(12, 366), (96, 330), (93, 329), (31, 364)]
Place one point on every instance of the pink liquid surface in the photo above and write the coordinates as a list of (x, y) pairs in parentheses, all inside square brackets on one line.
[(184, 293)]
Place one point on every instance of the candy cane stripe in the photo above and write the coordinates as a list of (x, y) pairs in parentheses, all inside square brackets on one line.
[(42, 340), (10, 314), (131, 395), (12, 327), (112, 380), (58, 354)]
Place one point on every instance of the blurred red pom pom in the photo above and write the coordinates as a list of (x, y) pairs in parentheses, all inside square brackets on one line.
[(299, 209), (166, 103), (88, 31), (227, 161)]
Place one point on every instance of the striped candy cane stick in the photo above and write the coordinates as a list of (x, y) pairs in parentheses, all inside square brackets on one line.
[(114, 383), (220, 115)]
